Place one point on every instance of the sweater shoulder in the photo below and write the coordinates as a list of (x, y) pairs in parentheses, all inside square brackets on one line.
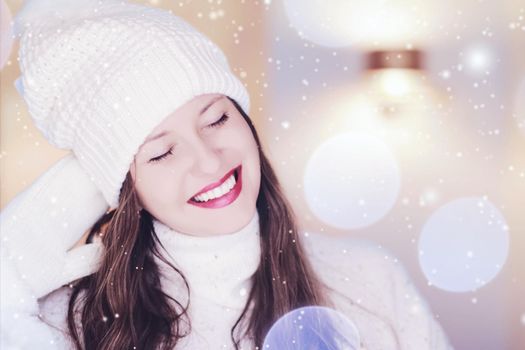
[(354, 260), (372, 288), (355, 272)]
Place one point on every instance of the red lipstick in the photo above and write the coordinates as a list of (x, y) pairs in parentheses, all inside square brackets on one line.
[(225, 199)]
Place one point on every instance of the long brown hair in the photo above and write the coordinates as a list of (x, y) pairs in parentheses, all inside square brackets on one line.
[(123, 306)]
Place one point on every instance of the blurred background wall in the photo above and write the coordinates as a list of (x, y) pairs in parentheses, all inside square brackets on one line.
[(401, 122)]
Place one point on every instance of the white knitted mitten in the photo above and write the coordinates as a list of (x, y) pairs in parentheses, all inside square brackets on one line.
[(41, 224)]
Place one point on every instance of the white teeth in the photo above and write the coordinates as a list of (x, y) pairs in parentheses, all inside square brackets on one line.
[(217, 191)]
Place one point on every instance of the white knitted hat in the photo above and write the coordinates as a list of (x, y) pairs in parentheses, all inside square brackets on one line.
[(98, 76)]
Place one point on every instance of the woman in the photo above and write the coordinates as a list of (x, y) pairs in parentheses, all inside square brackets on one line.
[(199, 248)]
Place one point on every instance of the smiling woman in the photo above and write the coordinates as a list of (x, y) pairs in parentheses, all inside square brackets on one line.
[(199, 152), (191, 243)]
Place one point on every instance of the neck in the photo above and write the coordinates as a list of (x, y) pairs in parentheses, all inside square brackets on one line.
[(218, 268)]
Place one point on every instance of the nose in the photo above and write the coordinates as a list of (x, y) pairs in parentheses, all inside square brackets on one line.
[(207, 159)]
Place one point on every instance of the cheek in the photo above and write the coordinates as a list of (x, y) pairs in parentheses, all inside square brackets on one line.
[(251, 153), (251, 145), (244, 137), (155, 187)]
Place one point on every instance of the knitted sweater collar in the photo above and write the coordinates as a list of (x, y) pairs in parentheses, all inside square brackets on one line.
[(218, 268)]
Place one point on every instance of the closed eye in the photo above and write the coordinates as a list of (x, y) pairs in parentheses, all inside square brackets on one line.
[(161, 157), (221, 121)]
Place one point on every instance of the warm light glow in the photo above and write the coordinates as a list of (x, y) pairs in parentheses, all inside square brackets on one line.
[(342, 22), (395, 104), (379, 23), (395, 82)]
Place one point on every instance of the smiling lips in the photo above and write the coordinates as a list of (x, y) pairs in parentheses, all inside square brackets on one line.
[(220, 193)]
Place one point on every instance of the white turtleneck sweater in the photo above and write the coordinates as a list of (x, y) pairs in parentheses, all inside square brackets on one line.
[(364, 283), (218, 270)]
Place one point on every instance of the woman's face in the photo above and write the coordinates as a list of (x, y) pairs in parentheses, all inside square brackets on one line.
[(183, 171)]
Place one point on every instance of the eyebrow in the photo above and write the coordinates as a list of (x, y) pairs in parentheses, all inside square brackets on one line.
[(209, 104), (154, 137), (203, 110)]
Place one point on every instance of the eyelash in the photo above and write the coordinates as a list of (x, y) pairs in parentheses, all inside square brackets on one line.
[(159, 158), (221, 121), (218, 123)]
